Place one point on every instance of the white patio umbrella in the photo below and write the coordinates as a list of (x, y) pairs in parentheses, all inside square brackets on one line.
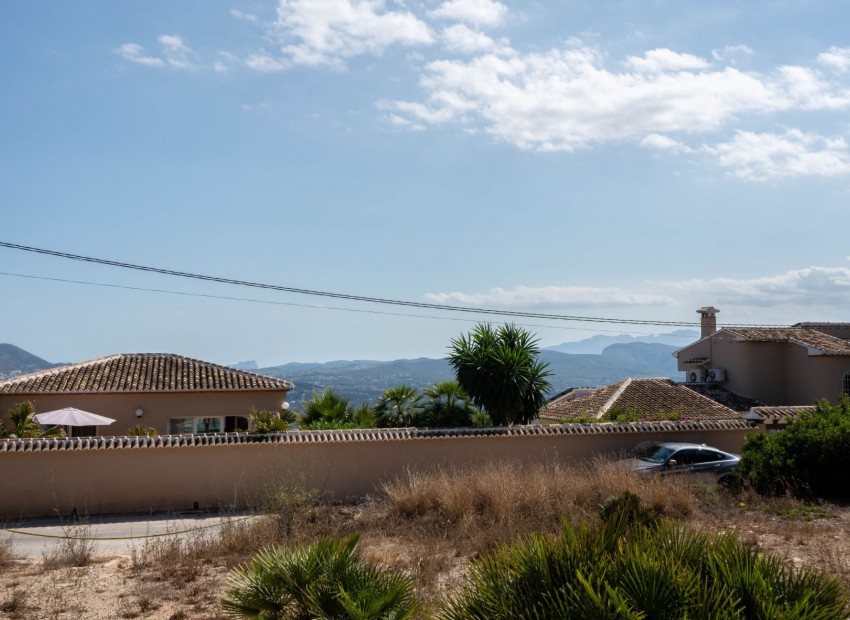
[(69, 416)]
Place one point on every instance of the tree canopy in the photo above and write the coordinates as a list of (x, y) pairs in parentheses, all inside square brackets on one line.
[(500, 370)]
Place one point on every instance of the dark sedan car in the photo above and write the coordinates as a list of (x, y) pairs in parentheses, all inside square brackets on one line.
[(691, 458)]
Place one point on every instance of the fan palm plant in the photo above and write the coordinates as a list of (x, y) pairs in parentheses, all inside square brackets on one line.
[(399, 406), (327, 407), (327, 579), (264, 422), (448, 405)]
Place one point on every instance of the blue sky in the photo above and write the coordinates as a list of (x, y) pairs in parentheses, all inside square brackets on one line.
[(619, 159)]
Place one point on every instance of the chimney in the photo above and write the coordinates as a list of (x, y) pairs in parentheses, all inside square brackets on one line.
[(708, 320)]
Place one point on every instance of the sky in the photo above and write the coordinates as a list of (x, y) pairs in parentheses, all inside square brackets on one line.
[(624, 159)]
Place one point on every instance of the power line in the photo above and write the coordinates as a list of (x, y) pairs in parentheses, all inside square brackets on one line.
[(312, 306), (345, 296)]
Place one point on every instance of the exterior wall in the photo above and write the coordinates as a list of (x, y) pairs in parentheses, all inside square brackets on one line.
[(814, 376), (776, 373), (157, 407), (147, 479)]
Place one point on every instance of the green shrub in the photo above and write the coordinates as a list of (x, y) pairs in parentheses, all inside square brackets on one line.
[(623, 568), (142, 431), (264, 422), (808, 458), (324, 580)]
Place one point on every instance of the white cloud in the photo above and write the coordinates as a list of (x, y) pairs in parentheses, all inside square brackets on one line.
[(665, 60), (764, 156), (475, 12), (731, 52), (664, 143), (836, 58), (461, 38), (827, 285), (175, 53), (830, 286), (565, 99), (136, 53), (248, 17), (551, 296), (265, 63), (315, 32)]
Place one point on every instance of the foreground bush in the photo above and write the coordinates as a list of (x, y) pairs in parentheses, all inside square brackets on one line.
[(324, 580), (808, 458), (630, 567)]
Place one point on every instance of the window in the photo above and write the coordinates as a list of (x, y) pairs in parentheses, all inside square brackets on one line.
[(235, 423), (207, 425), (181, 426), (83, 431), (845, 383), (197, 426)]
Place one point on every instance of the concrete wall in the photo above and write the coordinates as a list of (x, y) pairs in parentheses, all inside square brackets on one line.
[(157, 407), (143, 479), (814, 376)]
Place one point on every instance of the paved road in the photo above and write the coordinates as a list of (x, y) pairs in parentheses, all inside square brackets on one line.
[(35, 538)]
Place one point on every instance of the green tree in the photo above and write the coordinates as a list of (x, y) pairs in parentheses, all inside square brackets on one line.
[(448, 405), (399, 406), (500, 370), (326, 580), (23, 424)]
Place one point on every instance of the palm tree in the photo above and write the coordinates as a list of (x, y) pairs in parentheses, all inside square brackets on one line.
[(500, 371), (399, 406), (326, 407), (264, 422), (24, 424), (448, 405)]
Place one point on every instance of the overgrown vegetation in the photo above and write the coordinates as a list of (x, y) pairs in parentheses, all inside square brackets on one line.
[(326, 579), (809, 458), (142, 431), (630, 566)]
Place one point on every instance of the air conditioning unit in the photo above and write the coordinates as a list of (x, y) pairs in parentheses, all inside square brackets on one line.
[(716, 375), (696, 375)]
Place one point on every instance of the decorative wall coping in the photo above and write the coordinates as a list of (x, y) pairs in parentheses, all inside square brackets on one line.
[(71, 444)]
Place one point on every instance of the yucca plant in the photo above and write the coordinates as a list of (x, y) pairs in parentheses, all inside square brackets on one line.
[(326, 579), (635, 568)]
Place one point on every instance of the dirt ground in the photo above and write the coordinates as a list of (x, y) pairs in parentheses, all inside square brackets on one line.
[(429, 544)]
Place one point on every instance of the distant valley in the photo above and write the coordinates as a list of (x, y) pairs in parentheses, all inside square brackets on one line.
[(598, 360)]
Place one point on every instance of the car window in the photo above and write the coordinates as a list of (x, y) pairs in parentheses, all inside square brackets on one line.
[(696, 456), (685, 457), (656, 454)]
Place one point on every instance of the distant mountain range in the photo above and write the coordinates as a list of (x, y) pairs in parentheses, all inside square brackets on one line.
[(364, 380), (15, 361), (599, 360), (596, 344)]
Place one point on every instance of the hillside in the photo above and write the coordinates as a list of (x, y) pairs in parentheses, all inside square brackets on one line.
[(364, 380), (597, 344), (15, 361)]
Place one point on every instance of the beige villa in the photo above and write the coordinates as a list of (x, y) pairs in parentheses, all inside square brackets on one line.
[(778, 366), (171, 393)]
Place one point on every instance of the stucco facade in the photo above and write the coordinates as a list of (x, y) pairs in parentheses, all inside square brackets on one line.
[(775, 372), (170, 393)]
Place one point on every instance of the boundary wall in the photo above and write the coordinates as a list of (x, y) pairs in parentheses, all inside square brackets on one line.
[(101, 475)]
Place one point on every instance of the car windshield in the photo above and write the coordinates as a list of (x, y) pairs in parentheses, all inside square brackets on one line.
[(656, 454)]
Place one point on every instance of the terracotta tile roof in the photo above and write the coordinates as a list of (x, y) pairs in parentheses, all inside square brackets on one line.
[(782, 412), (647, 396), (362, 435), (808, 337), (141, 372), (723, 396)]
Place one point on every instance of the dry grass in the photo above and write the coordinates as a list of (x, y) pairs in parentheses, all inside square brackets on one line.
[(498, 502), (74, 550), (7, 552), (428, 524)]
